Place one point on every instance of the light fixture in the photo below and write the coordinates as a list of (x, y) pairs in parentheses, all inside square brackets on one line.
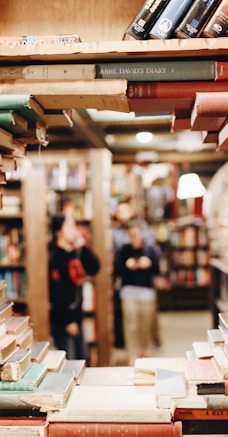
[(190, 186), (144, 137)]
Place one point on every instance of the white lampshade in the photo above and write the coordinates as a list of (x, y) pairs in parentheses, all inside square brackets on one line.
[(190, 186)]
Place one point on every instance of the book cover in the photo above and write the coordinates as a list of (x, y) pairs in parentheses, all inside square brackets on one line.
[(195, 19), (169, 19), (200, 414), (48, 71), (201, 370), (76, 367), (115, 429), (24, 103), (13, 122), (23, 427), (39, 350), (16, 324), (143, 21), (157, 70), (169, 384), (29, 381), (220, 359), (7, 347), (114, 375), (53, 391), (217, 26), (145, 368), (111, 404), (202, 349), (214, 337), (209, 111), (16, 365), (25, 338), (54, 360)]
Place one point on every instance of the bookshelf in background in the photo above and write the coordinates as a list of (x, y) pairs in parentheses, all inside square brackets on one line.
[(190, 270), (12, 247)]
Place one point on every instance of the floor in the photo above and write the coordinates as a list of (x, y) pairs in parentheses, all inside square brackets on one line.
[(178, 330)]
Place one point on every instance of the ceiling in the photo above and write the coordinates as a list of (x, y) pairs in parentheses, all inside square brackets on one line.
[(116, 131)]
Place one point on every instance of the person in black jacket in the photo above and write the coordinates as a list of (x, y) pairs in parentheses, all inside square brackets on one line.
[(137, 264), (69, 262)]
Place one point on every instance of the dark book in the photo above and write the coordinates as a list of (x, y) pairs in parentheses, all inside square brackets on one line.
[(195, 19), (205, 427), (217, 26), (169, 19), (159, 70), (100, 429), (13, 122), (141, 24)]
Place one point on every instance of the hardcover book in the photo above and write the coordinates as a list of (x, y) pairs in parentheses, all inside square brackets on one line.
[(48, 71), (25, 338), (145, 368), (115, 429), (16, 365), (217, 26), (111, 404), (54, 360), (23, 427), (7, 347), (209, 111), (195, 19), (16, 324), (29, 381), (39, 350), (169, 19), (169, 385), (114, 375), (223, 137)]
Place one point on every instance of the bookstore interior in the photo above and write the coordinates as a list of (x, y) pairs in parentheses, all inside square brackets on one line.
[(101, 103)]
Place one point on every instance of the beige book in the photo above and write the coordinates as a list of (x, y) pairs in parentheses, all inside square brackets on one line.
[(7, 347), (25, 339), (145, 368), (111, 404), (39, 350), (17, 364), (54, 359), (49, 72)]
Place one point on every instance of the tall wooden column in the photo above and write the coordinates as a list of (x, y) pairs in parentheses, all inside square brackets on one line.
[(100, 164)]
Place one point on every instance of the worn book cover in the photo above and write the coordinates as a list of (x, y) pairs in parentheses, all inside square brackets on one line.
[(29, 381), (7, 347), (6, 308), (16, 365), (111, 404)]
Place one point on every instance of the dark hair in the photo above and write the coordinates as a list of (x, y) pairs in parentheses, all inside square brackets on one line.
[(134, 223), (57, 222)]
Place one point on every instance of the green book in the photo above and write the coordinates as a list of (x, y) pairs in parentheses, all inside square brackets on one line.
[(24, 104), (13, 122), (150, 71), (30, 380)]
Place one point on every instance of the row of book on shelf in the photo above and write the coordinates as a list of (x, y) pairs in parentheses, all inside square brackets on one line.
[(165, 19)]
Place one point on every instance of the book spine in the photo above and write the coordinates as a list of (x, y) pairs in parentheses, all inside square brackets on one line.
[(169, 19), (143, 21), (19, 385), (200, 414), (32, 40), (217, 26), (115, 429), (42, 72), (158, 71), (172, 90), (194, 21)]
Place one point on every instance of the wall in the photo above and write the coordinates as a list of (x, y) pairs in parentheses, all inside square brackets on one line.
[(101, 20)]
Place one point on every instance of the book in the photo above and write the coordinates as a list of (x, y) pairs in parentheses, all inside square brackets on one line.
[(7, 347), (53, 391), (54, 360), (143, 21), (214, 337), (198, 371), (111, 404), (29, 381), (25, 104), (39, 350), (195, 19), (202, 349), (169, 384), (169, 19), (200, 414), (176, 70), (209, 111), (212, 428), (23, 426), (16, 324), (34, 40), (25, 338), (76, 367), (3, 288), (13, 122), (208, 136), (217, 26), (223, 137), (68, 94), (145, 368), (48, 71), (114, 375), (16, 365), (115, 429), (220, 359), (8, 163)]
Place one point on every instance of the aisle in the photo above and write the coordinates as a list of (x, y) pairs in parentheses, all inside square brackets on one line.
[(178, 330)]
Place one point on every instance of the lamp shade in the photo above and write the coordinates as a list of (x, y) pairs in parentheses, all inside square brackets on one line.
[(190, 186)]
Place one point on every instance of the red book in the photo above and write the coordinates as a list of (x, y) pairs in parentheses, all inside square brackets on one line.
[(115, 429), (223, 137), (209, 111), (177, 97), (200, 413)]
